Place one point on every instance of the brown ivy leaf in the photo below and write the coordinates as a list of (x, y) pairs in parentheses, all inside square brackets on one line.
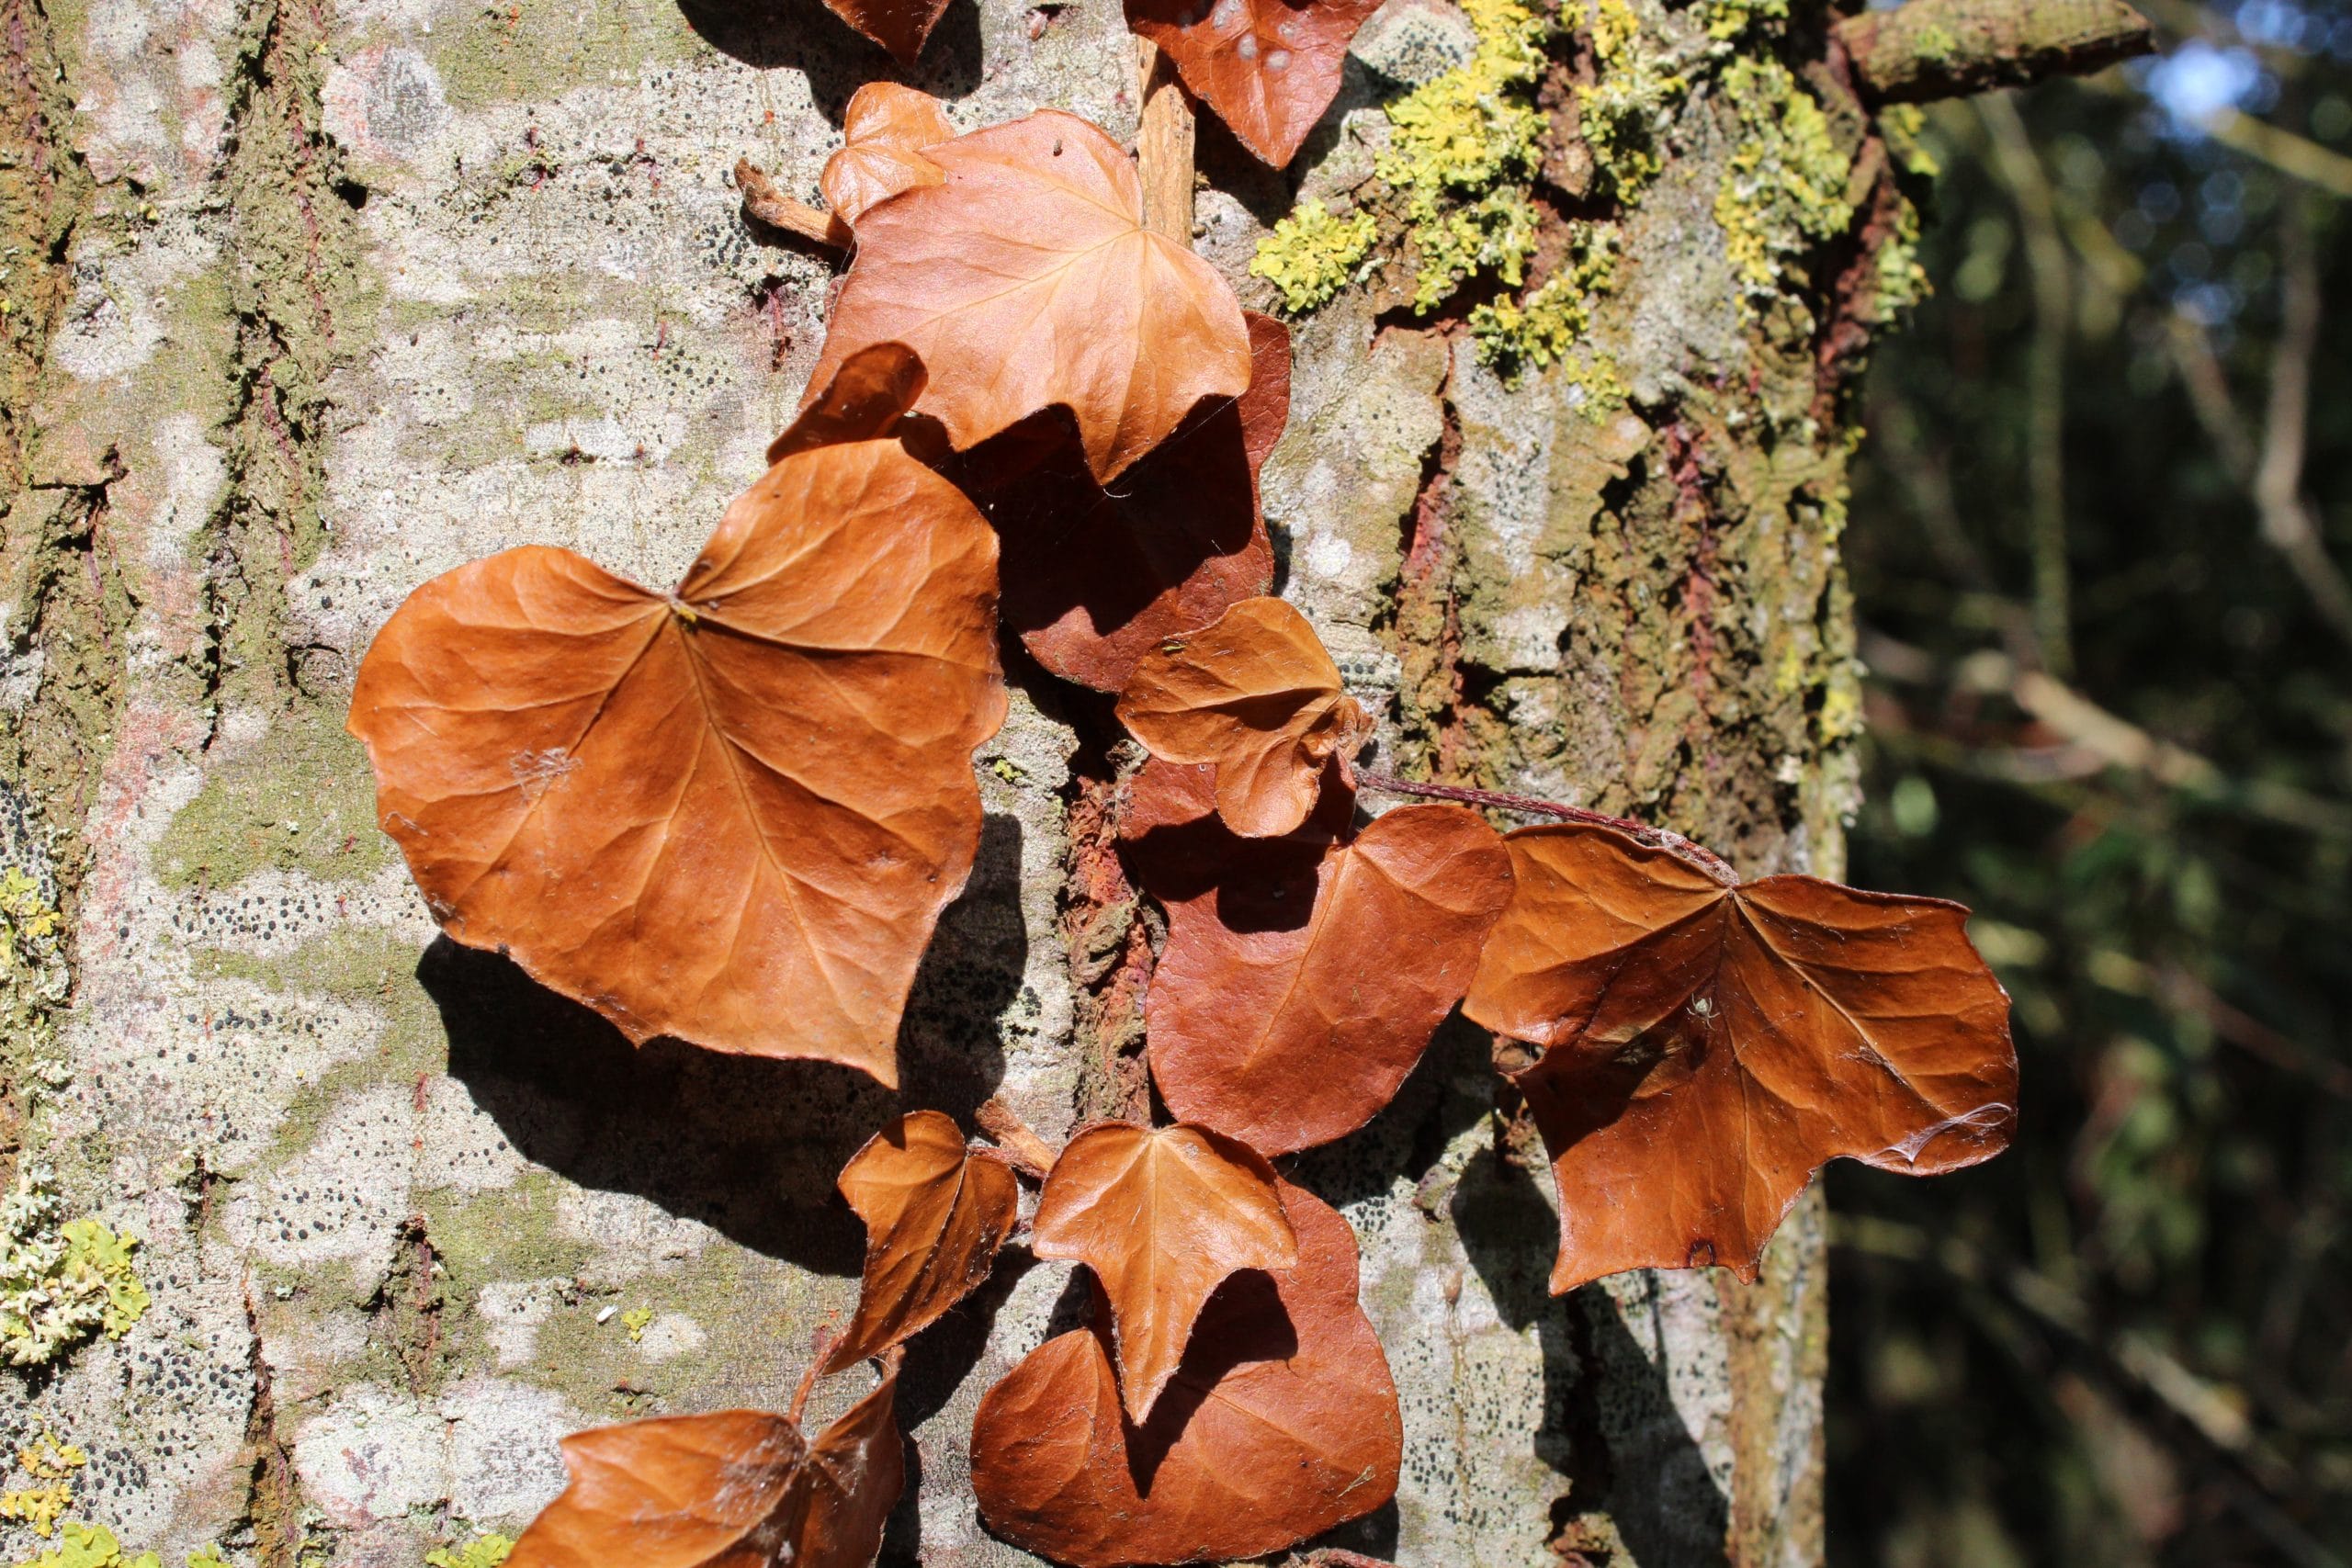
[(900, 25), (737, 1489), (1304, 976), (1026, 279), (884, 134), (1281, 1423), (864, 402), (732, 814), (1707, 1049), (1269, 68), (934, 1213), (1255, 695), (1161, 1215), (1096, 577)]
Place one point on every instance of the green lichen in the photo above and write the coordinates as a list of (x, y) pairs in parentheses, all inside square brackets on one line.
[(1538, 330), (302, 799), (482, 1552), (1785, 188), (1465, 148), (208, 1557), (90, 1546), (1903, 282), (61, 1283), (1626, 112), (1312, 254)]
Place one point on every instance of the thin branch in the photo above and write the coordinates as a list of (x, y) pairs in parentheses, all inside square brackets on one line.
[(1666, 839), (2053, 290), (2296, 157), (2287, 520), (1949, 49)]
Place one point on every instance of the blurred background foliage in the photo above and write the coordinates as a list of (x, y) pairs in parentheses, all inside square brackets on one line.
[(2099, 548)]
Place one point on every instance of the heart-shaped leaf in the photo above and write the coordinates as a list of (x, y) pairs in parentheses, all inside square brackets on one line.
[(737, 1489), (1708, 1048), (1269, 68), (1026, 279), (1304, 976), (1096, 577), (1256, 696), (935, 1214), (900, 25), (732, 814), (885, 132), (1161, 1215), (865, 401), (1281, 1423)]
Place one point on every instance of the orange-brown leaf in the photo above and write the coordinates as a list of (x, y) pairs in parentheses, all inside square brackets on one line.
[(1161, 1215), (1256, 696), (885, 132), (731, 815), (1304, 976), (738, 1489), (1281, 1423), (934, 1213), (1096, 577), (1026, 279), (900, 25), (864, 402), (1269, 68), (1707, 1049)]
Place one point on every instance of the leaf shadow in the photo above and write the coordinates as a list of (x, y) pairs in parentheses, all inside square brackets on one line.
[(1609, 1422), (748, 1146), (1243, 1321), (837, 59)]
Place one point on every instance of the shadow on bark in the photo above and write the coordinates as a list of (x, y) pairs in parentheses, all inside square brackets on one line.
[(837, 60), (1609, 1423), (748, 1146)]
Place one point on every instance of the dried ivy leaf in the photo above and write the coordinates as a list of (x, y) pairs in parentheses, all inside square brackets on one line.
[(935, 1214), (1096, 577), (864, 402), (1707, 1049), (884, 134), (1269, 68), (900, 25), (1256, 695), (1027, 279), (737, 1489), (1161, 1215), (1304, 976), (732, 814), (1281, 1423)]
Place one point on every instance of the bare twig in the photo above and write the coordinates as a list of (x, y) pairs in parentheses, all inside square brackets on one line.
[(2287, 520), (1666, 839), (1030, 1154), (2295, 156), (1949, 49), (2053, 289), (1164, 146), (765, 202)]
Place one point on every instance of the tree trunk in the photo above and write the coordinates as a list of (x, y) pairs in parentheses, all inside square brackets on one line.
[(311, 299)]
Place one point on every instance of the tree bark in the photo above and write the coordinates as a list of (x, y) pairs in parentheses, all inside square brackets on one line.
[(314, 299)]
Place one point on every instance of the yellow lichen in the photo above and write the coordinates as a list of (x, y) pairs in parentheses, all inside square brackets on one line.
[(209, 1557), (1312, 254), (482, 1552), (1902, 281), (1727, 19), (1626, 112), (60, 1283), (50, 1464), (1537, 331), (1464, 149), (1904, 129), (637, 1320), (89, 1546), (1785, 188)]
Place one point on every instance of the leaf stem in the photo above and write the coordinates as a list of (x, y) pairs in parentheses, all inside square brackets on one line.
[(1665, 838), (1029, 1153)]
